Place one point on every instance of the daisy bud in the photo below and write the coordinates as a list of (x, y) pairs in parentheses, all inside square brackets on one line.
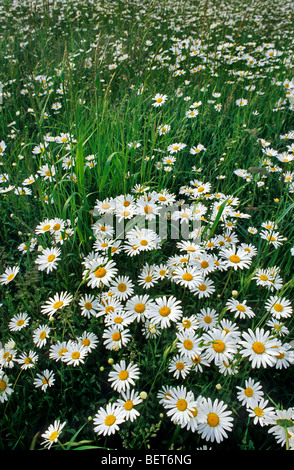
[(143, 395), (235, 293), (110, 361), (218, 386)]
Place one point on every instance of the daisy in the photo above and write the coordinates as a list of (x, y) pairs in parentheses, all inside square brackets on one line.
[(5, 387), (44, 380), (129, 399), (44, 226), (285, 357), (88, 340), (277, 327), (188, 323), (260, 412), (40, 335), (19, 321), (119, 320), (282, 422), (123, 376), (219, 346), (115, 337), (279, 307), (148, 277), (89, 305), (159, 100), (241, 102), (101, 273), (188, 343), (180, 405), (122, 287), (204, 288), (250, 392), (274, 238), (75, 354), (7, 357), (148, 209), (109, 304), (27, 361), (236, 258), (259, 347), (52, 434), (180, 366), (58, 350), (163, 129), (214, 420), (207, 318), (240, 308), (174, 148), (187, 276), (55, 303), (165, 310), (107, 420), (48, 259), (8, 275)]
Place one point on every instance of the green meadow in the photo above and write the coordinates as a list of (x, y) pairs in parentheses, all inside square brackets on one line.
[(147, 240)]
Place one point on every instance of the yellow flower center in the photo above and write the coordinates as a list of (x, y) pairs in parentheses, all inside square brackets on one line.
[(182, 405), (235, 259), (148, 279), (116, 336), (219, 346), (56, 226), (187, 277), (180, 366), (202, 287), (128, 405), (62, 351), (88, 305), (278, 308), (20, 322), (50, 258), (58, 304), (212, 419), (164, 311), (123, 375), (75, 355), (53, 436), (207, 319), (263, 277), (188, 344), (43, 335), (241, 308), (3, 385), (248, 392), (258, 347), (148, 210), (258, 411), (10, 277), (186, 323), (100, 272), (122, 287), (139, 308), (110, 420), (204, 264)]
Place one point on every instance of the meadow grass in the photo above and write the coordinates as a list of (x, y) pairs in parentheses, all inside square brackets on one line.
[(79, 129)]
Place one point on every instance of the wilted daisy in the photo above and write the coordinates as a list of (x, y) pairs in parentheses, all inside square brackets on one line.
[(9, 274), (260, 347), (44, 379), (55, 303), (19, 321), (215, 420), (107, 420), (48, 260), (40, 335), (123, 375), (52, 434)]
